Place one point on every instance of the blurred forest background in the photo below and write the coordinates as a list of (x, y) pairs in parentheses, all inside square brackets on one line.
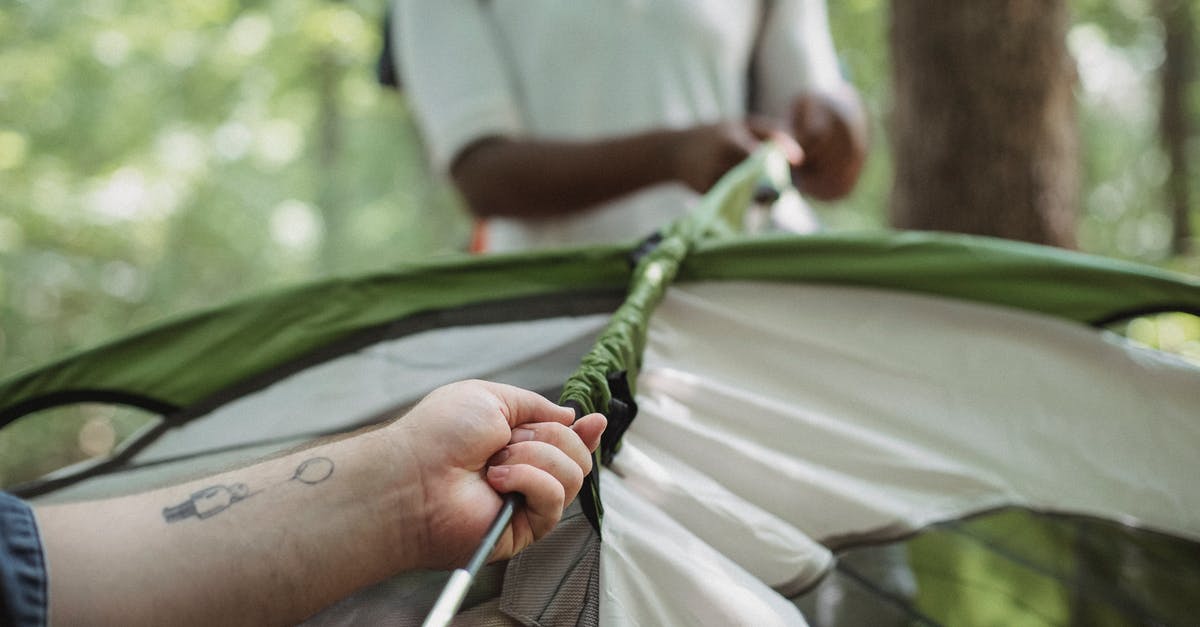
[(157, 157)]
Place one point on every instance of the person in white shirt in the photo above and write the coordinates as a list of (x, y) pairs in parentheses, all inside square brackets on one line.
[(601, 120)]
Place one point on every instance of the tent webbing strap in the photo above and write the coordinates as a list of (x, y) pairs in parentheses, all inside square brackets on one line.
[(617, 353)]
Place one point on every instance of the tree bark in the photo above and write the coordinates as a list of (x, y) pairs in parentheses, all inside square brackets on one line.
[(984, 122), (1174, 128)]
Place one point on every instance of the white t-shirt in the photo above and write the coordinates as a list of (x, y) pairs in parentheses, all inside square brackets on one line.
[(590, 69)]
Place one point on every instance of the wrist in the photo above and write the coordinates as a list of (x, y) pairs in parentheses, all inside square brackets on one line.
[(390, 492)]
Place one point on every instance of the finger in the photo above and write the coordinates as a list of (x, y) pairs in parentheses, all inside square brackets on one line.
[(559, 436), (544, 495), (522, 406), (791, 148), (768, 130), (589, 429), (566, 470)]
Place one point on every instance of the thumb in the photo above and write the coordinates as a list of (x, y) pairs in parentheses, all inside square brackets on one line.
[(589, 429), (522, 406)]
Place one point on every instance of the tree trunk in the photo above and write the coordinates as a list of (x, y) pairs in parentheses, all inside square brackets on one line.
[(1177, 73), (984, 123)]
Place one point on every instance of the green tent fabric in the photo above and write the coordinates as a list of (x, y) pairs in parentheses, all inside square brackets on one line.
[(190, 360)]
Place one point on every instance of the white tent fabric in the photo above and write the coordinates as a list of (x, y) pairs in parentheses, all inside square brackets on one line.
[(843, 414), (775, 552), (893, 410), (654, 571)]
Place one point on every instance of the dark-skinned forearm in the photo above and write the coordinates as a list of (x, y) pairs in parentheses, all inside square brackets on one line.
[(536, 178)]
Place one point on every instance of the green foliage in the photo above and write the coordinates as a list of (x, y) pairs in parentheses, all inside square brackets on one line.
[(860, 32), (1119, 48), (156, 157), (1175, 332)]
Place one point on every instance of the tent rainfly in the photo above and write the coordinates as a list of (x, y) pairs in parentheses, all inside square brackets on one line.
[(844, 429)]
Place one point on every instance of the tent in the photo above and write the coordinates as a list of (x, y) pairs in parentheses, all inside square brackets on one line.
[(845, 429)]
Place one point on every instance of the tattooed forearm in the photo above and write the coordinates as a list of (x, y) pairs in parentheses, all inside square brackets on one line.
[(217, 498), (314, 470), (207, 502)]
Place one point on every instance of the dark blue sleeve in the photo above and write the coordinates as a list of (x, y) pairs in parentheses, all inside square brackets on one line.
[(22, 566)]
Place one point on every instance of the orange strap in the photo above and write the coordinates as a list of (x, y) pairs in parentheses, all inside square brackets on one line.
[(479, 237)]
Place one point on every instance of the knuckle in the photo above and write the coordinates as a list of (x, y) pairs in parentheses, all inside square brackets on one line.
[(555, 431), (575, 480), (559, 499), (531, 452)]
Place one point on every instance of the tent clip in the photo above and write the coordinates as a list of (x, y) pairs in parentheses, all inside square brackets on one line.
[(644, 247), (622, 409)]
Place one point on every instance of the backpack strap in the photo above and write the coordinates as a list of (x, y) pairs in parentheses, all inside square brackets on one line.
[(385, 65), (760, 28), (386, 71)]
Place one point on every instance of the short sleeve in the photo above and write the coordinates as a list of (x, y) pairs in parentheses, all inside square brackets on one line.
[(796, 54), (453, 74), (22, 566)]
